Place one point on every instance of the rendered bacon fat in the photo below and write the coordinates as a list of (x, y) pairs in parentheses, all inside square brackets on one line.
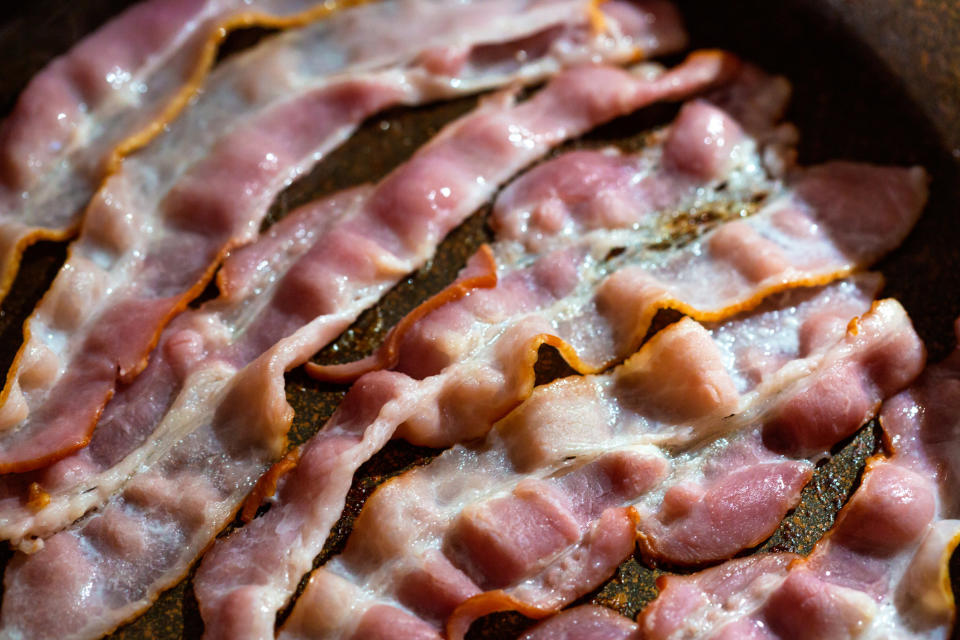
[(881, 572), (540, 513), (107, 96), (226, 425), (205, 186), (471, 361)]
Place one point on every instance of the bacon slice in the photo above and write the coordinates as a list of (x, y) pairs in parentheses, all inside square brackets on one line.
[(119, 287), (109, 95), (536, 514), (470, 362), (882, 571), (226, 424)]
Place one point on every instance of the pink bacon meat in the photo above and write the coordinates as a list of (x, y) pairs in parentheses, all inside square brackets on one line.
[(106, 97), (384, 233), (119, 287), (882, 571), (468, 363), (540, 513)]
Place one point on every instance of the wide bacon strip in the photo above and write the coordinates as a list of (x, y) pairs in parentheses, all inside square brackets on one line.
[(107, 96), (256, 129), (882, 571), (468, 363), (184, 478), (538, 512)]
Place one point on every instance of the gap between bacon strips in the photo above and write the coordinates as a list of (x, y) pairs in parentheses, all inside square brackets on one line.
[(158, 228), (466, 364), (220, 412)]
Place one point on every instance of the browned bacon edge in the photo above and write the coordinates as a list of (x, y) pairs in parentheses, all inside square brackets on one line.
[(12, 256), (266, 486), (389, 352), (386, 356)]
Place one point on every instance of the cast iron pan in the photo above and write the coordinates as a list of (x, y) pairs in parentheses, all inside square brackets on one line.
[(875, 80)]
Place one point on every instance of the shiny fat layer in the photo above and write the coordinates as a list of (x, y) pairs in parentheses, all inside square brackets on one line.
[(536, 511)]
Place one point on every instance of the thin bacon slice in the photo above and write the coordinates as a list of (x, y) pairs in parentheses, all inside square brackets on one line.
[(536, 512), (157, 229), (109, 95), (226, 424), (882, 571), (471, 361)]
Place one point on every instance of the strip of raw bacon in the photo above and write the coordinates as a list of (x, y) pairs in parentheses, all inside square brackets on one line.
[(106, 97), (471, 361), (226, 426), (120, 286), (536, 515), (882, 571), (70, 492)]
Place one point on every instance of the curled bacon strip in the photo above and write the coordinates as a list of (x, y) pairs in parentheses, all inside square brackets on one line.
[(388, 354)]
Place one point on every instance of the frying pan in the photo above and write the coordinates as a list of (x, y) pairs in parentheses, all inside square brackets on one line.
[(875, 80)]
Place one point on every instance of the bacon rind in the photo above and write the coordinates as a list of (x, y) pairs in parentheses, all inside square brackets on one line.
[(136, 297), (59, 220)]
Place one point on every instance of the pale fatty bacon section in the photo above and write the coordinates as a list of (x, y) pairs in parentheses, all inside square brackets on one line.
[(881, 571), (210, 373), (158, 227), (471, 362), (489, 527), (107, 96), (565, 107)]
